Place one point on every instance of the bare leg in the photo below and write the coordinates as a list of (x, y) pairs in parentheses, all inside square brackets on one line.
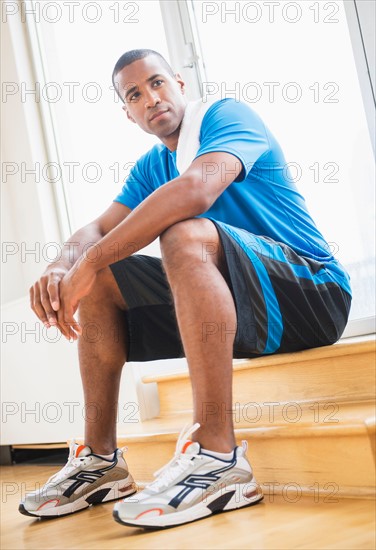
[(207, 321), (102, 350)]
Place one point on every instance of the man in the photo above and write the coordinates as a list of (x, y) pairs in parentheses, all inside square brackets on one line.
[(240, 254)]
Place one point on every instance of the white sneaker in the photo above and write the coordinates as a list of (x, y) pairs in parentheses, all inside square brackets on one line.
[(193, 485), (86, 479)]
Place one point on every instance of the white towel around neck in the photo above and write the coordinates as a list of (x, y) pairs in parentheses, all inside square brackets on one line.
[(189, 137)]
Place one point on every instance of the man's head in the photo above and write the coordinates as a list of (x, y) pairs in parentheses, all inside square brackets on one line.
[(153, 95)]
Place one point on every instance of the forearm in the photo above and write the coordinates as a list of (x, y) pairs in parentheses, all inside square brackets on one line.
[(76, 246), (173, 202), (126, 232)]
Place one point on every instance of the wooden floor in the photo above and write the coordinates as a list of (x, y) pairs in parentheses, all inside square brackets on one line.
[(272, 524)]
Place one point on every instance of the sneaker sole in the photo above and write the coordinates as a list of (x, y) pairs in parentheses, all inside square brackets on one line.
[(226, 502), (106, 493)]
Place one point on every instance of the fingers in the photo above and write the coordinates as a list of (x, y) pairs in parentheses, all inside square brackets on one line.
[(52, 304), (53, 291), (36, 305), (45, 301), (67, 324), (42, 294)]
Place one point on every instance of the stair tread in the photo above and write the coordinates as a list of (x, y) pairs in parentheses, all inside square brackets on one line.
[(351, 418), (355, 419), (362, 344), (270, 431)]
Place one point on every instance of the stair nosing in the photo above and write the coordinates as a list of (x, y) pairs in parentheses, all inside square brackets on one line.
[(304, 403), (348, 428)]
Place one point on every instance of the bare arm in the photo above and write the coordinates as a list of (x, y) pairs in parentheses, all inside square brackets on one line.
[(44, 294), (185, 197), (91, 233)]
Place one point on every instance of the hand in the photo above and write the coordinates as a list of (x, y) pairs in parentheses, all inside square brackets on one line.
[(76, 284), (45, 296)]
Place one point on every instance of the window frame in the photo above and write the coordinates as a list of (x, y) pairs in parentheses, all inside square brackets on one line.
[(362, 48), (47, 120)]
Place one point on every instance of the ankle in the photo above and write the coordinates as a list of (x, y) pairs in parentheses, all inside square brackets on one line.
[(101, 448), (213, 441), (106, 454)]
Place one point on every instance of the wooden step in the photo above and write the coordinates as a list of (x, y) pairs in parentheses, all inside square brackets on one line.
[(282, 414), (371, 427), (338, 373), (308, 418), (307, 456)]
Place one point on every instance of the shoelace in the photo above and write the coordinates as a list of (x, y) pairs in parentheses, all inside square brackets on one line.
[(178, 463), (71, 464)]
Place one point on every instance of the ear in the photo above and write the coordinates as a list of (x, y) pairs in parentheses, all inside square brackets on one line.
[(180, 81), (124, 107)]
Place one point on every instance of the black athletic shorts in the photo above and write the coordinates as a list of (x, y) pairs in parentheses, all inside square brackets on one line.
[(284, 302)]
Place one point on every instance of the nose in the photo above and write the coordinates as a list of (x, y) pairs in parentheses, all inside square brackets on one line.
[(152, 99)]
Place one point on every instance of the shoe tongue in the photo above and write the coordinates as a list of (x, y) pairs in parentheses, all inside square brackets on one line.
[(81, 451), (191, 448)]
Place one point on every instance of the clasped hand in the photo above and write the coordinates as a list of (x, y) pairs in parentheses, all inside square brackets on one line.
[(55, 297)]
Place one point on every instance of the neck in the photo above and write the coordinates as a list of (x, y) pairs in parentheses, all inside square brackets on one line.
[(171, 141)]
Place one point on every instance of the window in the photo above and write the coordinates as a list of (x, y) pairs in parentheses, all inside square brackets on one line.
[(294, 64), (97, 144), (291, 61)]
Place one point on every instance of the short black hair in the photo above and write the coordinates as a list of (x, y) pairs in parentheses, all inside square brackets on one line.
[(134, 55)]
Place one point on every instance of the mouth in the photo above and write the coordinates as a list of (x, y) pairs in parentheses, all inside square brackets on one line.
[(158, 114)]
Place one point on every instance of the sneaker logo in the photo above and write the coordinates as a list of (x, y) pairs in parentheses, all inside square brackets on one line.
[(88, 476), (197, 481)]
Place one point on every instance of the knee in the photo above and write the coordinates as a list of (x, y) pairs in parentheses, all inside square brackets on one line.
[(185, 241), (104, 281), (105, 289)]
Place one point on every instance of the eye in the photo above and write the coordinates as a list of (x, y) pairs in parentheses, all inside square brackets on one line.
[(157, 82), (134, 96)]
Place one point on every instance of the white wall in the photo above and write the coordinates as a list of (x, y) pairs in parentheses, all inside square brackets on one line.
[(21, 211)]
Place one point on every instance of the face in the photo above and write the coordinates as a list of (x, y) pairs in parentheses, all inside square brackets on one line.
[(153, 99)]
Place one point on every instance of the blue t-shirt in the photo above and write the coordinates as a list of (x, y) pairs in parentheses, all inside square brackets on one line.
[(263, 199)]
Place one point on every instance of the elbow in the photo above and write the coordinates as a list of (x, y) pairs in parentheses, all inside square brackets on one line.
[(96, 228)]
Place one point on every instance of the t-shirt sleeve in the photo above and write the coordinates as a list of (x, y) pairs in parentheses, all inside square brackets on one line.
[(136, 187), (232, 127)]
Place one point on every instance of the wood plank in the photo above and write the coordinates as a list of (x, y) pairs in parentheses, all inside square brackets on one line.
[(281, 413), (347, 377), (311, 450), (339, 349), (280, 453), (277, 522), (371, 429)]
